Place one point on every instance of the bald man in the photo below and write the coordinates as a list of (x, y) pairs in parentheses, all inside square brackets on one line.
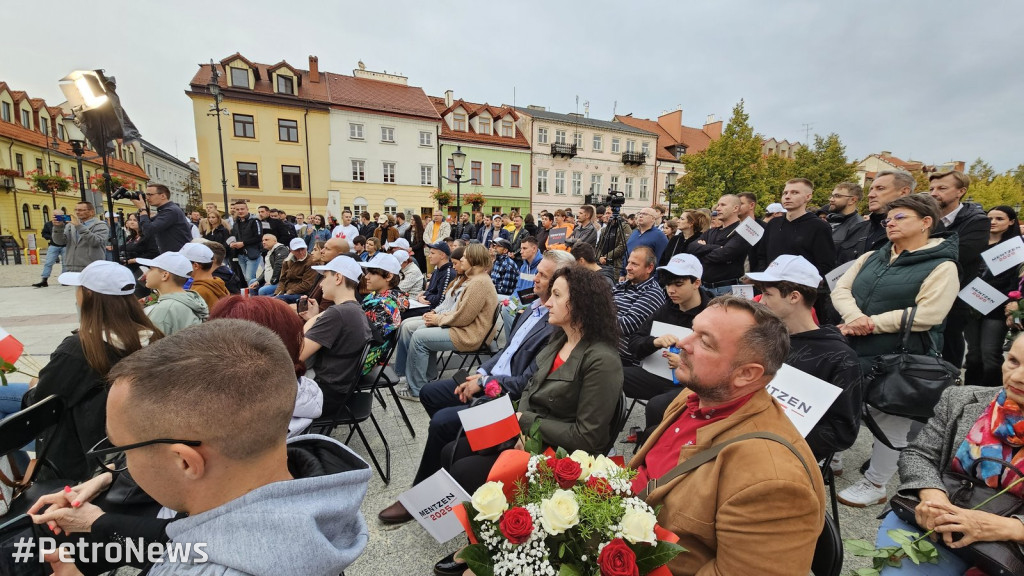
[(721, 252)]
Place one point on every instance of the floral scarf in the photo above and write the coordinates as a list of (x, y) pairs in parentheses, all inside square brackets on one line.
[(998, 434)]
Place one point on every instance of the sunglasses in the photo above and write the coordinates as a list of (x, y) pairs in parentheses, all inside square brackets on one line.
[(109, 457)]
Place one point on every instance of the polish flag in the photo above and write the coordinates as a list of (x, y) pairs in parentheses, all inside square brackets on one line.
[(490, 424), (10, 348)]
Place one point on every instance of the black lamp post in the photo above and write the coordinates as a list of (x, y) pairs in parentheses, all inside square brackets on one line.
[(458, 163), (77, 140), (216, 110), (670, 186)]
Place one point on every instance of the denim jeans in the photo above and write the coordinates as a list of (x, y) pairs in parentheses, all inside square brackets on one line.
[(249, 266), (267, 290), (405, 332), (10, 398), (289, 298), (949, 564), (421, 363), (52, 253)]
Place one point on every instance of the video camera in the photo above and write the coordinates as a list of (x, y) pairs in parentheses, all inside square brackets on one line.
[(123, 193)]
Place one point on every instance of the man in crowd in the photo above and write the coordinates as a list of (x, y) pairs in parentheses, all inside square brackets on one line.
[(516, 236), (170, 227), (748, 209), (346, 231), (887, 186), (176, 308), (561, 227), (210, 288), (53, 250), (297, 274), (800, 232), (332, 249), (272, 262), (504, 273), (531, 258), (720, 250), (757, 499), (585, 230), (646, 234), (84, 238), (359, 248), (400, 224), (233, 281), (435, 231), (495, 232), (194, 217), (848, 228), (248, 234), (971, 225), (611, 246), (774, 210), (412, 276), (637, 298), (366, 225), (280, 227), (439, 259), (789, 287), (465, 229), (546, 222)]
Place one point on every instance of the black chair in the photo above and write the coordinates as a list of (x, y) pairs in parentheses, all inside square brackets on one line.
[(632, 404), (473, 356), (380, 376), (618, 422), (357, 407), (17, 430), (828, 552), (829, 478)]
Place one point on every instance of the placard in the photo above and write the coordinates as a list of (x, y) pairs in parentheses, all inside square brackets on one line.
[(833, 277), (655, 363), (556, 236), (744, 290), (981, 296), (1004, 255), (803, 398), (750, 230), (430, 502)]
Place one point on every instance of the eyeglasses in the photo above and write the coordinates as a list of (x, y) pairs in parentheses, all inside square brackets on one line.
[(834, 195), (110, 457), (896, 218)]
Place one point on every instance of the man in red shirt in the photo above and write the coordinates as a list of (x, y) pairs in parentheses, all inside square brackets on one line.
[(757, 499)]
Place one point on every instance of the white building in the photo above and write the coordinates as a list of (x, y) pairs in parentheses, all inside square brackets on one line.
[(164, 168)]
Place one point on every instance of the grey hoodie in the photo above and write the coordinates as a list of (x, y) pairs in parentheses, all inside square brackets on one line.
[(310, 525), (177, 310)]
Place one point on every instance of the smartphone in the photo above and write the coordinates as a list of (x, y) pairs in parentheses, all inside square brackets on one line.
[(302, 305), (460, 376), (64, 217), (675, 380)]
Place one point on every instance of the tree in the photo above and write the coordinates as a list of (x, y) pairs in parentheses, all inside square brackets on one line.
[(1018, 174), (1004, 189), (981, 171), (772, 175), (825, 164), (194, 194)]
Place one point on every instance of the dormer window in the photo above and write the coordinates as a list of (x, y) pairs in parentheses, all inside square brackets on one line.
[(285, 85), (239, 77), (26, 119), (506, 129), (459, 122), (485, 126), (44, 125)]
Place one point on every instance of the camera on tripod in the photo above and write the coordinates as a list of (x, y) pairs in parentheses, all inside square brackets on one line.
[(123, 193)]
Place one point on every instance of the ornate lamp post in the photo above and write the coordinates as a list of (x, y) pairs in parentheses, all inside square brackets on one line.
[(216, 110), (77, 140), (670, 186), (458, 163)]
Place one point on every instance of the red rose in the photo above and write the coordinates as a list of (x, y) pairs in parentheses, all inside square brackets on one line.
[(617, 559), (517, 525), (599, 485), (551, 463), (567, 472)]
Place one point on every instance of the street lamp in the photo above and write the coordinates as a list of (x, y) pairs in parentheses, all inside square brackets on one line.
[(670, 186), (77, 140), (458, 163), (216, 110)]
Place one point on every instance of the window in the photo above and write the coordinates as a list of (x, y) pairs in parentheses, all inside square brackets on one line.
[(39, 164), (559, 136), (291, 178), (285, 84), (391, 206), (19, 164), (245, 126), (451, 169), (387, 134), (248, 175), (5, 112), (426, 175), (484, 125), (239, 77), (577, 139), (426, 139), (560, 182), (46, 213), (595, 183), (355, 131), (615, 145), (389, 172), (598, 143), (630, 145), (26, 217), (44, 126), (61, 133), (507, 129), (288, 130), (643, 188), (474, 173), (577, 183), (646, 148), (629, 186), (495, 174), (459, 122), (358, 171), (615, 183), (359, 205), (26, 119), (542, 135), (542, 181), (514, 176)]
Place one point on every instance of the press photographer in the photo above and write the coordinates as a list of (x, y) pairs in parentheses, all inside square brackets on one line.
[(170, 226)]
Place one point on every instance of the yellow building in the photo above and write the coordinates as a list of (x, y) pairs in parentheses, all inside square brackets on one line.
[(33, 139)]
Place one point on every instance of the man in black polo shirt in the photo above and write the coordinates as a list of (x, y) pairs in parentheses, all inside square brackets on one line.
[(720, 250), (800, 233)]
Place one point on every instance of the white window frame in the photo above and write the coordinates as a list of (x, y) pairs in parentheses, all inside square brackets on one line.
[(355, 131), (644, 188), (426, 175), (560, 137), (630, 145), (426, 138), (542, 135), (387, 134), (597, 144), (391, 206), (560, 182), (577, 183), (359, 205), (460, 118), (645, 147), (614, 184), (542, 181), (359, 170), (615, 145), (577, 139), (508, 129), (388, 169), (595, 183), (479, 126), (629, 186)]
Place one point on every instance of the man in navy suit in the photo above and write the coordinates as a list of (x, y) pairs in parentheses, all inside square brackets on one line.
[(511, 369)]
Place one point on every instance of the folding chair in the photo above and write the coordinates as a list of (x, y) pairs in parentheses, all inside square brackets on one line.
[(830, 480), (635, 401), (16, 431), (828, 552), (485, 348), (618, 422), (380, 376), (357, 407)]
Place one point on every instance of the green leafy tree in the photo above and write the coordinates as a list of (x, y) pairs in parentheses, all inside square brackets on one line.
[(1018, 174), (981, 171), (773, 172), (729, 165), (194, 194), (825, 164), (1003, 189)]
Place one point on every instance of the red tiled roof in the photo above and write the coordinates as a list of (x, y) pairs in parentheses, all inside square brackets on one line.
[(471, 136), (36, 103), (316, 91), (910, 166), (33, 138), (695, 139), (18, 95), (283, 64)]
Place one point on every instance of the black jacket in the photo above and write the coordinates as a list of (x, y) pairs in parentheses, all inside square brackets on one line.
[(848, 234), (641, 343), (219, 235), (806, 236), (971, 226), (170, 227), (141, 247), (283, 230), (874, 233), (439, 281), (465, 231), (722, 254), (250, 233)]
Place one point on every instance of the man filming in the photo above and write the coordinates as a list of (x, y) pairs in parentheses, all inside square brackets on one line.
[(170, 226)]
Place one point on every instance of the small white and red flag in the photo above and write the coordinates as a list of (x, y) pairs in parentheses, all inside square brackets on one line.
[(490, 424), (10, 348)]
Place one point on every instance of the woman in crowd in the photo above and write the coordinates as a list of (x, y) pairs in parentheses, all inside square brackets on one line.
[(985, 334), (112, 326), (372, 248), (383, 305), (415, 237), (465, 328), (530, 224), (911, 270), (674, 240), (280, 318), (692, 224), (317, 231), (212, 228), (137, 245), (969, 421)]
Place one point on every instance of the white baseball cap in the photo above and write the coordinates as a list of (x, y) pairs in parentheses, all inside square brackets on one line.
[(399, 243), (343, 265), (684, 265), (297, 244), (384, 261), (775, 208), (174, 262), (196, 252), (108, 278), (401, 255), (789, 268)]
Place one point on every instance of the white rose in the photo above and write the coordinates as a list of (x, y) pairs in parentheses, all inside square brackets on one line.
[(603, 466), (489, 501), (559, 512), (638, 526), (585, 461)]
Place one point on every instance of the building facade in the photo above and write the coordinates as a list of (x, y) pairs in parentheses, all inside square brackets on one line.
[(164, 168), (574, 156)]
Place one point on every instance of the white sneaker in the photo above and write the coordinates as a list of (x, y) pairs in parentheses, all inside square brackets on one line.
[(406, 394), (836, 465), (862, 494)]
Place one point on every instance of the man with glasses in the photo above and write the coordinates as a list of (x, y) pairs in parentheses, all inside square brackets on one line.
[(645, 235), (170, 226), (848, 228)]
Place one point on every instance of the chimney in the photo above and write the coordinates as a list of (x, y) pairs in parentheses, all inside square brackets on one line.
[(314, 69), (671, 122), (713, 128), (885, 154), (448, 98)]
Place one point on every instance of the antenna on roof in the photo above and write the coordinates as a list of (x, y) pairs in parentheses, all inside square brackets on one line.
[(615, 106), (807, 133), (586, 108)]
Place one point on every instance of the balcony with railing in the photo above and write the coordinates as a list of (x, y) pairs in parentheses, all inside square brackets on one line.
[(567, 150), (634, 158)]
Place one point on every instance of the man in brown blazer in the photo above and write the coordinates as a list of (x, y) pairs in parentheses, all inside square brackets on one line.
[(756, 508)]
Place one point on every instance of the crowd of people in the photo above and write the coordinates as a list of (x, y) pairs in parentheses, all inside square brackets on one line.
[(565, 306)]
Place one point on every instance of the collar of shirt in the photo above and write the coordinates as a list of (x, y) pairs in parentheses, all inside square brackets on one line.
[(949, 218), (537, 309), (629, 285), (721, 411)]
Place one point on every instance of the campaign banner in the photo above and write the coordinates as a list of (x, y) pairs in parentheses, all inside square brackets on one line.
[(750, 230), (832, 278), (803, 398), (556, 236), (490, 424), (430, 502), (982, 296), (744, 290), (1004, 255)]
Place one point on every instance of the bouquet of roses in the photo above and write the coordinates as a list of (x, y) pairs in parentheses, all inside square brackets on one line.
[(566, 515)]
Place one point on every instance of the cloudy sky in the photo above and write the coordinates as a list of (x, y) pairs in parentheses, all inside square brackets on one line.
[(931, 80)]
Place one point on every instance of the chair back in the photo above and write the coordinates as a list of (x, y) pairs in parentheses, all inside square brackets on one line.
[(352, 389), (19, 429), (828, 552), (492, 332), (619, 419)]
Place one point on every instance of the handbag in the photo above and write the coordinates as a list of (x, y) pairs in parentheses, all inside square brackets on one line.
[(905, 384), (967, 491)]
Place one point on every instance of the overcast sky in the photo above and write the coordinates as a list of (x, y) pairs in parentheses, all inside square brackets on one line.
[(931, 80)]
